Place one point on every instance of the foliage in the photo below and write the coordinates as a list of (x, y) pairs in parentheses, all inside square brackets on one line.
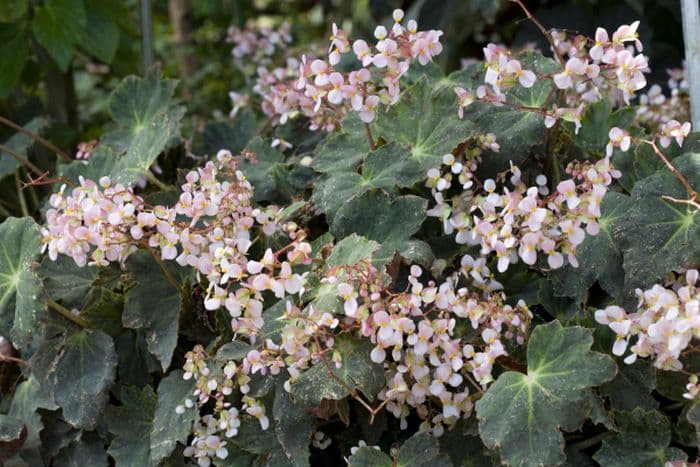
[(371, 260)]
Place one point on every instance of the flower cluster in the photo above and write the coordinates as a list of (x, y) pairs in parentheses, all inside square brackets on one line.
[(589, 70), (665, 323), (655, 108), (323, 94), (518, 222), (255, 46)]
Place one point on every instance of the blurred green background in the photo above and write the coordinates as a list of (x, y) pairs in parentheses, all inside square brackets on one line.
[(63, 58)]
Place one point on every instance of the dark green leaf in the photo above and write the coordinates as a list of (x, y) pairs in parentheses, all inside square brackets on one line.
[(131, 424), (357, 371), (386, 168), (643, 441), (522, 414), (427, 123), (19, 143), (342, 151), (599, 256), (218, 135), (153, 304), (101, 35), (293, 427), (14, 48), (65, 281), (59, 25), (632, 387), (369, 457), (169, 427), (658, 235), (141, 107), (391, 223), (422, 450), (20, 287), (351, 250), (267, 173), (235, 350), (10, 10), (89, 450), (83, 374)]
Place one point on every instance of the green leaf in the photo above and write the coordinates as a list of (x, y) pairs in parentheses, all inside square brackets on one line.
[(351, 250), (83, 374), (14, 49), (10, 10), (19, 143), (632, 387), (386, 168), (169, 427), (369, 457), (342, 151), (235, 350), (147, 122), (10, 428), (422, 450), (136, 363), (658, 235), (643, 441), (597, 122), (268, 173), (357, 371), (88, 450), (427, 123), (59, 25), (65, 281), (101, 35), (391, 223), (599, 256), (102, 161), (131, 425), (153, 304), (233, 136), (521, 414), (21, 299), (293, 427), (26, 400)]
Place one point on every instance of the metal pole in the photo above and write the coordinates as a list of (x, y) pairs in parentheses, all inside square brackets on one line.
[(691, 36), (146, 36)]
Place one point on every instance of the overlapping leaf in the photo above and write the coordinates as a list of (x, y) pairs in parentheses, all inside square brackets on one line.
[(658, 235), (390, 223), (357, 371), (599, 256), (420, 450), (83, 374), (386, 168), (522, 414), (153, 304), (643, 441), (131, 424)]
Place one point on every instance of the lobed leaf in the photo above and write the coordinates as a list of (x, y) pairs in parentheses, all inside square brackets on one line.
[(522, 414)]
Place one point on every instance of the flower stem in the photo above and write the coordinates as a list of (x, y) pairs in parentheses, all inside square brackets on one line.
[(543, 30), (66, 313), (166, 272), (692, 194), (370, 140), (153, 179), (36, 138), (20, 196)]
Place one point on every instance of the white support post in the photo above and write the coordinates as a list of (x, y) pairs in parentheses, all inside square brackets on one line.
[(690, 10)]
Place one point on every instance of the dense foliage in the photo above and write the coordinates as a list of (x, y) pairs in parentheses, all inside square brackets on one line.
[(370, 261)]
